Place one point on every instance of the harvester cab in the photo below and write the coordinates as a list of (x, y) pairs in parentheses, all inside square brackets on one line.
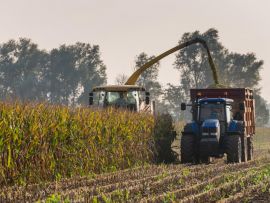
[(220, 125), (131, 97)]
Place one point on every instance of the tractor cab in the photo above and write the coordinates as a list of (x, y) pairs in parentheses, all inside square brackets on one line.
[(214, 114), (131, 97), (214, 108)]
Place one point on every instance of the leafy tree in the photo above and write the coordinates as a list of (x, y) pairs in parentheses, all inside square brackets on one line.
[(92, 70), (174, 96), (148, 79), (74, 70), (64, 75), (262, 111), (121, 79), (22, 68), (192, 62)]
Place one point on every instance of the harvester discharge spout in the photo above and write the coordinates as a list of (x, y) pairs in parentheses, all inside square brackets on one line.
[(134, 77)]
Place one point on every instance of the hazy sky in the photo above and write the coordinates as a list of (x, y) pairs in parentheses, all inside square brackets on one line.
[(125, 28)]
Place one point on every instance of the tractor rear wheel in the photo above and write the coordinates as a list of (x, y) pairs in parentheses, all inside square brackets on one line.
[(249, 148), (187, 149), (233, 149), (205, 159)]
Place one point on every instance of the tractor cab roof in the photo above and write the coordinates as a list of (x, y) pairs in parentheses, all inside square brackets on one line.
[(216, 100), (118, 88)]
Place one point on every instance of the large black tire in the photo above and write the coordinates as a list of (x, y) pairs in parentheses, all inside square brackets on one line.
[(250, 148), (187, 149), (205, 159), (244, 146), (233, 149)]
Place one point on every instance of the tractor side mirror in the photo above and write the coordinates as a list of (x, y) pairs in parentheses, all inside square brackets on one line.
[(147, 98), (91, 98), (241, 106), (183, 106)]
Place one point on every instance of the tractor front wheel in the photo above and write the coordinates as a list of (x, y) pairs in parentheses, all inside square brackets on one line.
[(187, 149), (233, 149)]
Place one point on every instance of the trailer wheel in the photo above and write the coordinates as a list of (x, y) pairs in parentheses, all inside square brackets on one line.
[(244, 145), (187, 148), (249, 148), (234, 149)]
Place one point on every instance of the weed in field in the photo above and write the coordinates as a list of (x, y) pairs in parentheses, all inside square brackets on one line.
[(185, 172), (208, 187), (56, 198), (169, 197)]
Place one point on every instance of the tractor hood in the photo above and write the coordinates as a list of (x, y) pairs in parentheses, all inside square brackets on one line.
[(209, 143)]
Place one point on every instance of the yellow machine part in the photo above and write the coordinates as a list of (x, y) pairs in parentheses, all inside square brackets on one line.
[(134, 77)]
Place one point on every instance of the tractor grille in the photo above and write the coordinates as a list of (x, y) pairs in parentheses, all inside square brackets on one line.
[(209, 130)]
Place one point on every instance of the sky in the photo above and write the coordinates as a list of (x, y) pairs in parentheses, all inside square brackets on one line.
[(125, 28)]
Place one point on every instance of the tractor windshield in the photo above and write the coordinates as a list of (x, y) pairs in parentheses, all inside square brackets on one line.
[(212, 111)]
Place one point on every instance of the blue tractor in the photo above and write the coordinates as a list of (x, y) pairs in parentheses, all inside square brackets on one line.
[(218, 127)]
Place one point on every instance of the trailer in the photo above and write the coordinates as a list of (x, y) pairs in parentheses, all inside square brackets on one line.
[(223, 122)]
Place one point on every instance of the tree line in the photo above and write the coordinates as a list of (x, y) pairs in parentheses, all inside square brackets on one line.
[(63, 75), (66, 74)]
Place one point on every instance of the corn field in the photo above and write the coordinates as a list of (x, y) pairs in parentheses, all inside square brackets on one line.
[(41, 142), (59, 154)]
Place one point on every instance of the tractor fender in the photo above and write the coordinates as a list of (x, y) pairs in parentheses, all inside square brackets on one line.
[(236, 128), (191, 129)]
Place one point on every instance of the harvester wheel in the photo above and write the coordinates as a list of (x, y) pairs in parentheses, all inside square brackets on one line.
[(244, 145), (234, 149), (249, 148), (187, 148)]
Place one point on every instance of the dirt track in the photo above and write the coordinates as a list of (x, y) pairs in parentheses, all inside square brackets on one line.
[(182, 183)]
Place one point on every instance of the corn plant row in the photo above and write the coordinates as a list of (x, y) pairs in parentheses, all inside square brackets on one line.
[(41, 142), (158, 184), (189, 192), (72, 193), (169, 181), (196, 178), (147, 173), (94, 183), (249, 193), (231, 187), (131, 192), (151, 183), (102, 182)]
